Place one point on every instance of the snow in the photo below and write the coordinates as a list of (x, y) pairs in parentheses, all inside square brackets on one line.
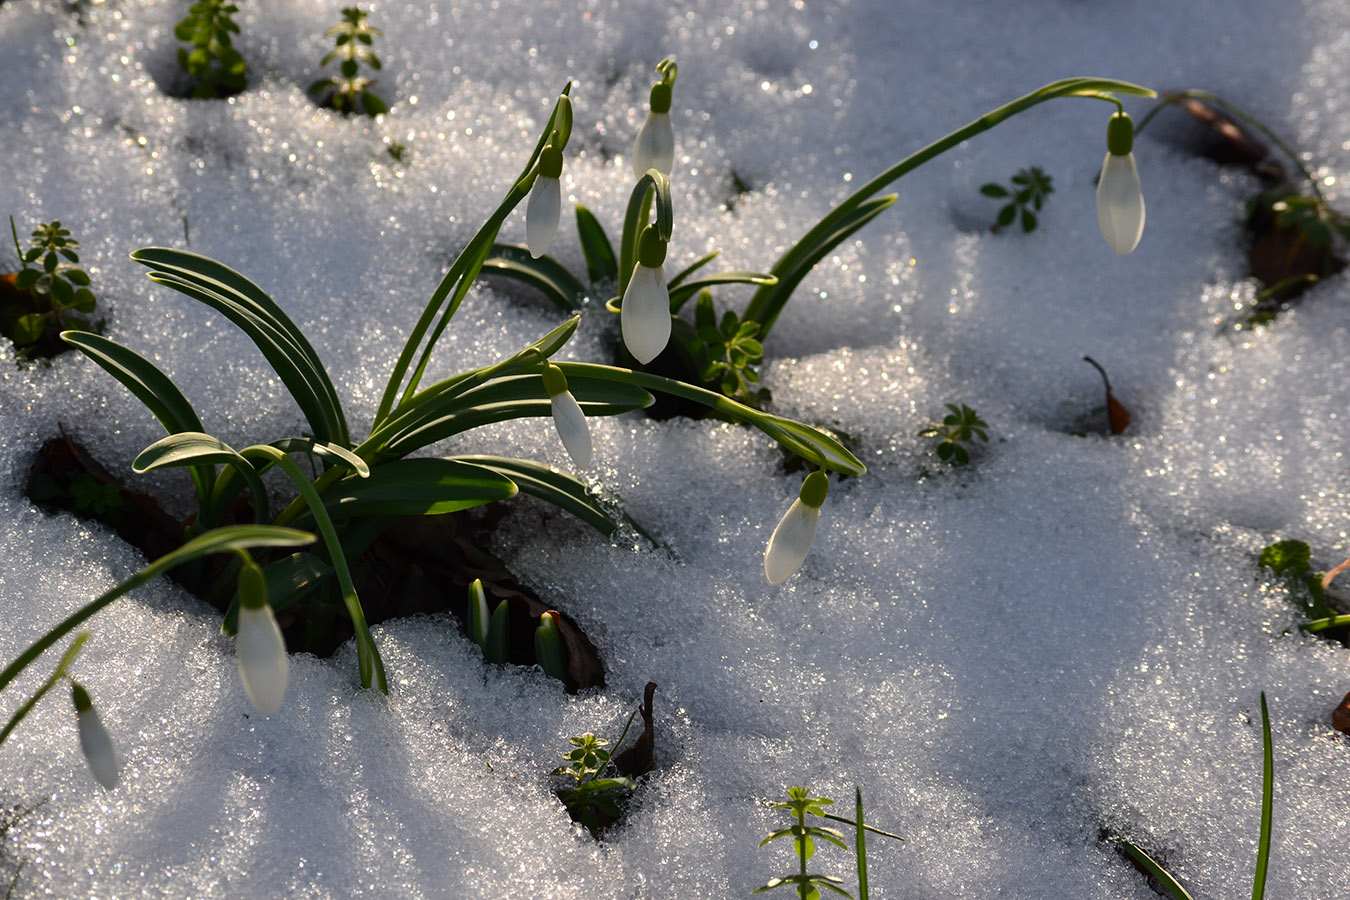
[(1069, 635)]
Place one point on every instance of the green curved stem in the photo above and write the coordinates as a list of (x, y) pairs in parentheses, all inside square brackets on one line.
[(767, 303), (651, 185)]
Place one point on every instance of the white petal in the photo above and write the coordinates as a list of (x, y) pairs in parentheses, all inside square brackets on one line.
[(645, 315), (655, 145), (261, 652), (98, 749), (541, 215), (791, 541), (571, 424), (1120, 203)]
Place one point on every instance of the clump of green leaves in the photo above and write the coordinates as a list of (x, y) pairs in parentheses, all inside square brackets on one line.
[(728, 353), (216, 69), (51, 292), (1290, 561), (349, 91), (1024, 195), (591, 799), (961, 426)]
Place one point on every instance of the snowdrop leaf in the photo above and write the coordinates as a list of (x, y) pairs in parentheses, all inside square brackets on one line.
[(193, 448), (415, 487), (545, 274), (680, 295), (601, 266), (558, 488)]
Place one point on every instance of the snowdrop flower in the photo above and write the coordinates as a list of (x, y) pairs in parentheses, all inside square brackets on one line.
[(655, 144), (791, 540), (1120, 202), (645, 314), (94, 740), (545, 204), (568, 418), (258, 645)]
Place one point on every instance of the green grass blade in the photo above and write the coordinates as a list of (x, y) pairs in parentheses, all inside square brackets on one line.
[(562, 490), (545, 274), (679, 277), (1317, 625), (680, 295), (149, 385), (266, 324), (1267, 803), (417, 487), (860, 848), (601, 265), (193, 448), (66, 660), (1155, 870), (219, 540)]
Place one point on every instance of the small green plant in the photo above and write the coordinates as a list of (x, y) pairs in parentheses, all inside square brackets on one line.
[(727, 351), (1290, 561), (1025, 196), (349, 91), (799, 805), (214, 67), (1169, 883), (591, 799), (961, 426), (51, 292)]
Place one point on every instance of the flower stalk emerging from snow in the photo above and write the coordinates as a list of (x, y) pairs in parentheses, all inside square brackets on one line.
[(261, 651), (1120, 201), (94, 740), (791, 540), (655, 144), (645, 317), (545, 203), (568, 417)]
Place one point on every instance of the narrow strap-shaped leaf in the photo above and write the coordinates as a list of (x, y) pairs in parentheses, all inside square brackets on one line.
[(288, 579), (678, 278), (545, 274), (769, 300), (601, 265), (510, 397), (307, 383), (1155, 870), (417, 487), (562, 490), (66, 660), (1267, 804), (330, 451), (192, 448), (367, 654), (811, 444), (219, 540), (679, 296)]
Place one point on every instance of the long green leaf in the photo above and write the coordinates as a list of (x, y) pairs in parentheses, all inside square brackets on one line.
[(562, 490), (679, 296), (1156, 871), (66, 660), (545, 274), (149, 385), (1267, 804), (678, 278), (809, 443), (252, 310), (288, 579), (193, 448), (601, 265), (417, 487), (219, 540)]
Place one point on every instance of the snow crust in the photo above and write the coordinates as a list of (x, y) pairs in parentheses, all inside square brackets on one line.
[(1068, 636)]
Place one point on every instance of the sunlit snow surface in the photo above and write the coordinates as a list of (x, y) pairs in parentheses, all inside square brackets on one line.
[(1068, 636)]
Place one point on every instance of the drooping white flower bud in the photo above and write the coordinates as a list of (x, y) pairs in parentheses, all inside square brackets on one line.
[(568, 418), (645, 314), (1120, 199), (94, 740), (258, 644), (791, 540), (655, 144), (545, 203)]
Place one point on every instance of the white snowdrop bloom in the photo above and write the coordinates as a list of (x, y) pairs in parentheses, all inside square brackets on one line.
[(545, 203), (645, 314), (792, 539), (655, 145), (258, 645), (1120, 199), (94, 740), (568, 418)]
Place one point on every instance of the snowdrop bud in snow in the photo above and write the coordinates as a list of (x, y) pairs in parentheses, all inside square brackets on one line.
[(94, 741), (1120, 201), (258, 645), (545, 204), (791, 540), (568, 418), (655, 144), (645, 314)]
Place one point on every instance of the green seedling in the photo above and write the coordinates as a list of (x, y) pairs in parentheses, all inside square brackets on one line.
[(358, 486), (1025, 196), (349, 91), (214, 67), (1169, 883), (51, 292), (594, 797), (960, 427), (1290, 561), (727, 360)]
